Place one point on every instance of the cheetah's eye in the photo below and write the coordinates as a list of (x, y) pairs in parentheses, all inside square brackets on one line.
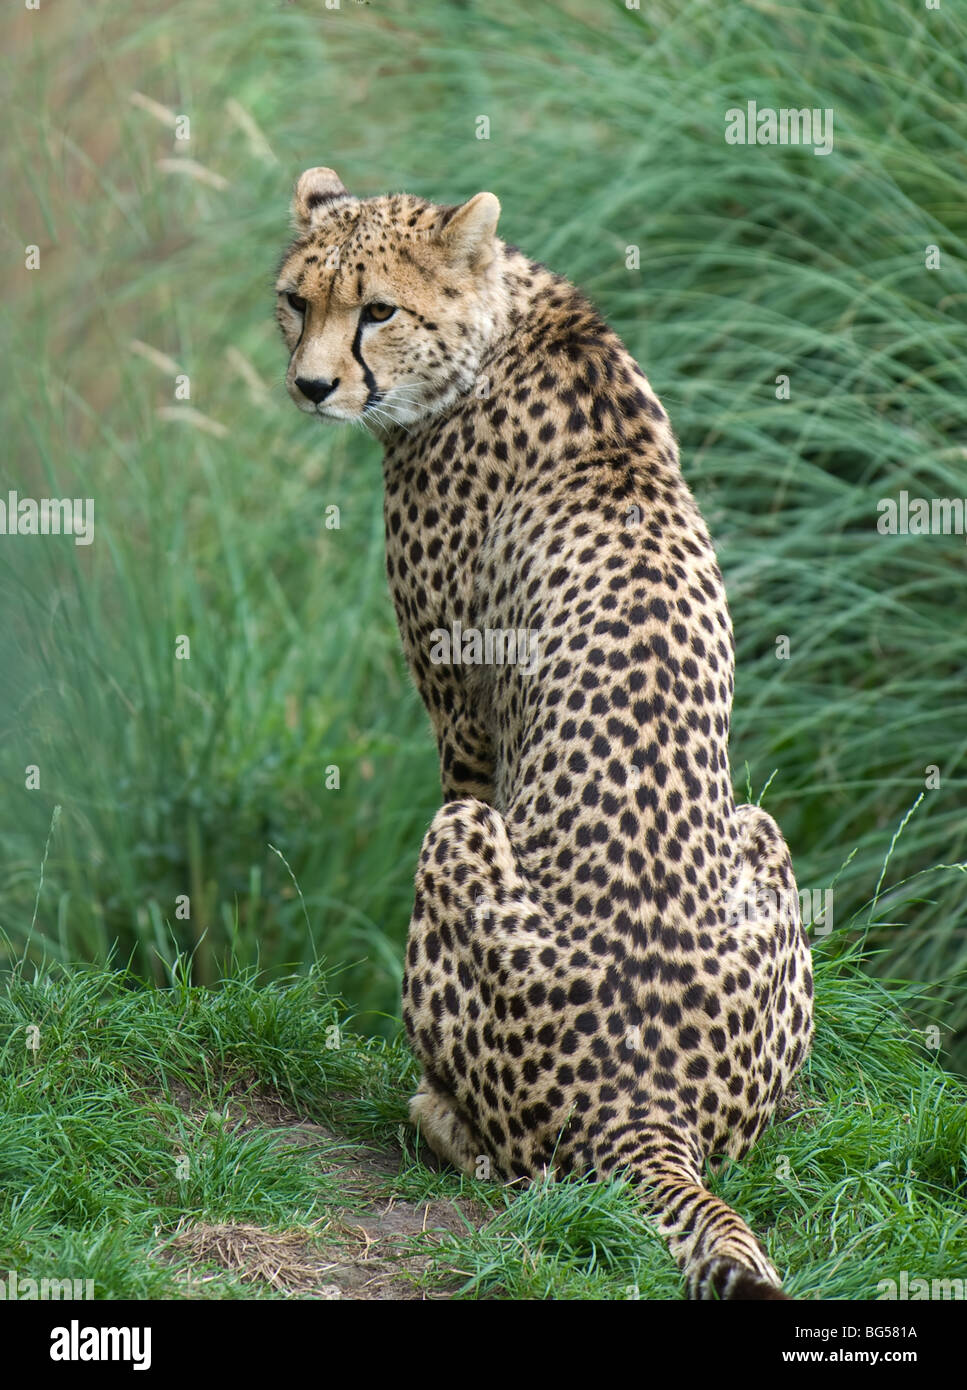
[(297, 303), (378, 313)]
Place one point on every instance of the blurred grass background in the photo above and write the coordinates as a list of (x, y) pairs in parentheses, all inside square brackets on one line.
[(606, 131)]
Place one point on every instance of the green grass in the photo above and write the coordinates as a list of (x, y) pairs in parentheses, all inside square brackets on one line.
[(863, 1178), (175, 777)]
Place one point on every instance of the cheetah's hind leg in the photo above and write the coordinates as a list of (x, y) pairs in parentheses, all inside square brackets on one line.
[(448, 1134)]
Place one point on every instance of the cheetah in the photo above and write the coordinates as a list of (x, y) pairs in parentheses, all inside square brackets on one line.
[(606, 972)]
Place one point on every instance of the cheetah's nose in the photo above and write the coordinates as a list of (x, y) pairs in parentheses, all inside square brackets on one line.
[(317, 390)]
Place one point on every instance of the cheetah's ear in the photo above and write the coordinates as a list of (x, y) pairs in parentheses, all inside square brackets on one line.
[(315, 187), (467, 232)]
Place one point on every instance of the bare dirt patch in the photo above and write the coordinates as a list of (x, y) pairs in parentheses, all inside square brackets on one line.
[(365, 1255), (377, 1249)]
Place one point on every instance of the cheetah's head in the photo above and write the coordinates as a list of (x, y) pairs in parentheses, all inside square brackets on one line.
[(387, 304)]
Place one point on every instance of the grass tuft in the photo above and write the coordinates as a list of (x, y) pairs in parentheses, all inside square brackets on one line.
[(139, 1119)]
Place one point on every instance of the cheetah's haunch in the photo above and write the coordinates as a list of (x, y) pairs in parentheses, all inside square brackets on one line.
[(605, 971)]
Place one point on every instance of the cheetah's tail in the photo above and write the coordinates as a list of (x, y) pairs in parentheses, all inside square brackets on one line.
[(727, 1279), (719, 1255)]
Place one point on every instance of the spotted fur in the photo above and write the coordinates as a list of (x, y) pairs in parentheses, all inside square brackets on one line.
[(606, 971)]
